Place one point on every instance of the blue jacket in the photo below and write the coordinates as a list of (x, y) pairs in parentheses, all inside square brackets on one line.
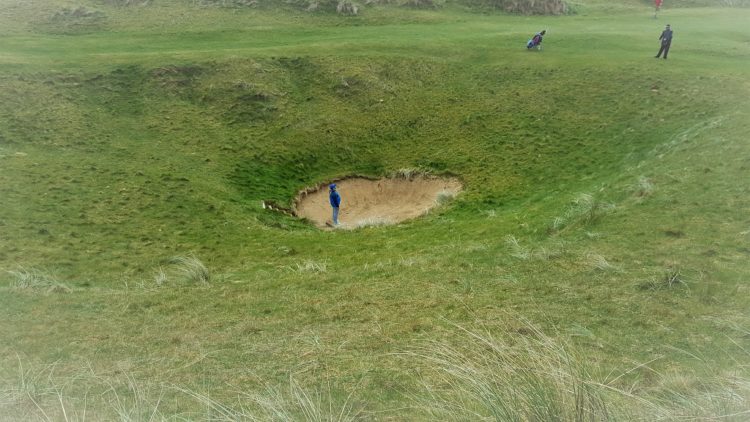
[(335, 199)]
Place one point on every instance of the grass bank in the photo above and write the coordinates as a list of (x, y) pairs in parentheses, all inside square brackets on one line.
[(604, 221)]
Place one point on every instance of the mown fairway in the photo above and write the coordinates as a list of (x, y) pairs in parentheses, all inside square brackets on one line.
[(605, 219)]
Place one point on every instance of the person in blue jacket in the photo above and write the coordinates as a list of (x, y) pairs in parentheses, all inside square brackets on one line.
[(335, 199)]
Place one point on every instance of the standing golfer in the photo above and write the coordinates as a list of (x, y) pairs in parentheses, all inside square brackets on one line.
[(666, 42), (335, 199), (657, 6)]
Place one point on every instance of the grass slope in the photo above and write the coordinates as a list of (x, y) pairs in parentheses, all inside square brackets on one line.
[(605, 206)]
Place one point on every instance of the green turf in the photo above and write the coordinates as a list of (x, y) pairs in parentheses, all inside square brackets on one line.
[(157, 131)]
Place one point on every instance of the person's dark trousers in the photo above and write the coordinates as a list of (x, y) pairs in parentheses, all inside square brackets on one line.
[(664, 49)]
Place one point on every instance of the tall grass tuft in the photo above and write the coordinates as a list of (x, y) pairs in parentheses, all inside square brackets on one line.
[(584, 210), (290, 403), (670, 278), (541, 253), (408, 173), (372, 222), (644, 187), (310, 266), (514, 373), (33, 279), (190, 268), (516, 250), (160, 278), (443, 197), (599, 262), (588, 208), (520, 374), (43, 394)]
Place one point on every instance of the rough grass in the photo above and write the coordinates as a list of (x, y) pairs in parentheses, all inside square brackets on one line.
[(372, 222), (189, 268), (310, 266), (584, 210), (511, 370), (34, 279), (523, 375), (669, 278), (162, 131)]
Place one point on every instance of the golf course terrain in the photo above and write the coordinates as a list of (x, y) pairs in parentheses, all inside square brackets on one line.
[(531, 235)]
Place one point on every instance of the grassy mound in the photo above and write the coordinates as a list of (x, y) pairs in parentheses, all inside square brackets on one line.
[(598, 254), (524, 7)]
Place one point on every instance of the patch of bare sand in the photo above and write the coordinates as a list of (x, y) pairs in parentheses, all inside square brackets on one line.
[(367, 202)]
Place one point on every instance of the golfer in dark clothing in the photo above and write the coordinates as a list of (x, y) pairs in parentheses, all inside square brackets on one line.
[(335, 200), (536, 40), (666, 41)]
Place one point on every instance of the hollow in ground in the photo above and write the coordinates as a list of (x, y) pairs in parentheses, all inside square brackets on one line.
[(366, 202)]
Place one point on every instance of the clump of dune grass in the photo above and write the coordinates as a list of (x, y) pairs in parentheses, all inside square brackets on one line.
[(701, 395), (408, 173), (644, 187), (700, 390), (549, 251), (444, 196), (599, 262), (43, 393), (673, 277), (285, 250), (519, 374), (670, 278), (34, 279), (516, 372), (584, 210), (516, 250), (541, 253), (589, 208), (160, 278), (310, 266), (557, 224), (190, 269), (372, 222), (347, 8), (292, 402)]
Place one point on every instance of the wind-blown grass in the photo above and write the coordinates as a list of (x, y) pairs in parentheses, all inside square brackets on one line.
[(44, 394), (34, 279), (290, 403), (310, 266), (516, 375), (644, 188), (190, 268), (584, 210), (162, 129), (520, 373), (511, 370), (670, 278), (599, 262), (372, 222)]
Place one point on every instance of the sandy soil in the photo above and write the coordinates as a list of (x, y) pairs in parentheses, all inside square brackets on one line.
[(375, 202)]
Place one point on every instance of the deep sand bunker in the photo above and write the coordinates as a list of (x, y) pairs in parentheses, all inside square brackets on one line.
[(375, 202)]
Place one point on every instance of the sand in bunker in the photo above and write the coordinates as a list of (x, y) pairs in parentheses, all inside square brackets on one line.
[(372, 202)]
